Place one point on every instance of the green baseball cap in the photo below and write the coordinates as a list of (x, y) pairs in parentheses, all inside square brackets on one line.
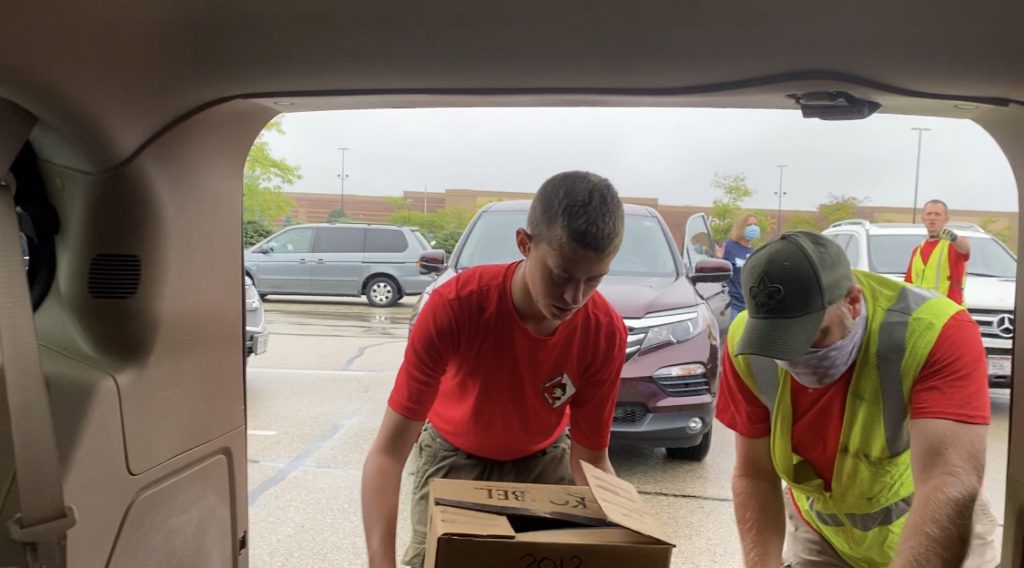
[(788, 283)]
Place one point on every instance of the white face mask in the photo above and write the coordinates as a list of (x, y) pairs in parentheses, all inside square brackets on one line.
[(820, 367)]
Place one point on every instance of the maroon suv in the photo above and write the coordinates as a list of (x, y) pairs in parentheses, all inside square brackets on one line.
[(672, 304)]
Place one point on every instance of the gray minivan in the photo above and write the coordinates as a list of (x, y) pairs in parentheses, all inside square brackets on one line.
[(381, 262)]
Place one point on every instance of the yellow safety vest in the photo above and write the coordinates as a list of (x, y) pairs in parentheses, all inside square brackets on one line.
[(936, 274), (862, 516)]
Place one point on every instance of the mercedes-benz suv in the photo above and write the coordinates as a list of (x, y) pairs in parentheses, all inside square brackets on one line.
[(885, 248)]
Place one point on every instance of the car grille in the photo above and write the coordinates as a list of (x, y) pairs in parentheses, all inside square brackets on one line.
[(629, 413), (684, 386), (997, 324)]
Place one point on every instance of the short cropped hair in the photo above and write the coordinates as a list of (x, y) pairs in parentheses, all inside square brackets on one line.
[(579, 208), (945, 207)]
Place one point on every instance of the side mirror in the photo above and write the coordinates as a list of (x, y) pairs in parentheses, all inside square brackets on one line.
[(711, 270), (265, 249), (432, 262)]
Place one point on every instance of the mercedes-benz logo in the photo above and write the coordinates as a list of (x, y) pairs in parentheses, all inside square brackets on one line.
[(1004, 325)]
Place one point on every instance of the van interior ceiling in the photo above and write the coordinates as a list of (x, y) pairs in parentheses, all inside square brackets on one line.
[(118, 126)]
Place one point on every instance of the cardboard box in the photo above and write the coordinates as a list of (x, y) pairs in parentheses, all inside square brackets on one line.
[(485, 524)]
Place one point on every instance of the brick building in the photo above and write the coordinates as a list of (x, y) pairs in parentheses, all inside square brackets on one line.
[(315, 207)]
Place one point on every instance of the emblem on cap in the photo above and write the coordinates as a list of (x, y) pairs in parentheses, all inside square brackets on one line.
[(765, 294)]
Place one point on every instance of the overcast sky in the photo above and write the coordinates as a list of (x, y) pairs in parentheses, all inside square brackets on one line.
[(671, 154)]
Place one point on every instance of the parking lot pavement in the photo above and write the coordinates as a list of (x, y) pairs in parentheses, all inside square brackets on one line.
[(316, 398)]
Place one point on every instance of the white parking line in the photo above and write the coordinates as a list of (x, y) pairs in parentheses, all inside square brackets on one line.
[(262, 432), (306, 371)]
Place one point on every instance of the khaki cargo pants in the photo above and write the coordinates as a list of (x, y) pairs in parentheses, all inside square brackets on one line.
[(805, 548), (439, 459)]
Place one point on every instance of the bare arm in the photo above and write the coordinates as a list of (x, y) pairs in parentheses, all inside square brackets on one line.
[(597, 459), (948, 461), (757, 502), (382, 478)]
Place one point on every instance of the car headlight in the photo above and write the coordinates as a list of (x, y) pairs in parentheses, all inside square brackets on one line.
[(669, 328)]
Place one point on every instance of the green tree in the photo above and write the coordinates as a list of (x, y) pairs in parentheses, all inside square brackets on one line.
[(337, 216), (264, 180), (447, 240), (767, 222), (401, 212), (453, 218), (840, 208), (802, 221), (444, 227), (436, 222), (254, 231), (733, 191)]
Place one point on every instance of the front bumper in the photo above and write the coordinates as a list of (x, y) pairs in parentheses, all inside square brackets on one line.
[(256, 342), (996, 344), (669, 429), (999, 352), (646, 416)]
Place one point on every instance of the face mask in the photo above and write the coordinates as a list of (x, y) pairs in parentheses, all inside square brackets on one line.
[(752, 232), (823, 366)]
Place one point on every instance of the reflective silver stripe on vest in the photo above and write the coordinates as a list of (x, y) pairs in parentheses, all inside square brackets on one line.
[(938, 268), (892, 347), (864, 521), (919, 276), (766, 376)]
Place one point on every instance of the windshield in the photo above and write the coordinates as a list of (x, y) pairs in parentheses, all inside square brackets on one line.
[(645, 250), (890, 254)]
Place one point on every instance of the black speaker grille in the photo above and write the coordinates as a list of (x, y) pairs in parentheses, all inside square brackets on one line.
[(114, 276)]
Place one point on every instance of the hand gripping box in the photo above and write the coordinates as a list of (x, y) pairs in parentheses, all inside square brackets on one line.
[(485, 524)]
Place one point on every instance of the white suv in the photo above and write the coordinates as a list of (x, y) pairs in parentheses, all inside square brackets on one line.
[(884, 248)]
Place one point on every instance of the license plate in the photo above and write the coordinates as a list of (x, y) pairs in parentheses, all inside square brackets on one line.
[(259, 343), (999, 366)]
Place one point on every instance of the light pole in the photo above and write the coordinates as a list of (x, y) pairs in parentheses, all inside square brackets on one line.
[(780, 193), (917, 172), (342, 177)]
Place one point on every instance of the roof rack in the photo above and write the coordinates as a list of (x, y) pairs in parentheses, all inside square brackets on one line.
[(858, 222)]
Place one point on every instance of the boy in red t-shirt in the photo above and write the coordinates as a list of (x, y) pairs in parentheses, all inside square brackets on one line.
[(935, 216), (501, 361)]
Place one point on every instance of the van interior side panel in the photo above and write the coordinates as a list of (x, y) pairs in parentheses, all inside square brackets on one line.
[(1007, 128), (149, 418), (150, 323)]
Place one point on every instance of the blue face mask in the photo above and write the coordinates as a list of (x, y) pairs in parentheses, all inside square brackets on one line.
[(752, 232)]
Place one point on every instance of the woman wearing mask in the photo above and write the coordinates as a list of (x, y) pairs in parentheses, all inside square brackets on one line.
[(737, 248)]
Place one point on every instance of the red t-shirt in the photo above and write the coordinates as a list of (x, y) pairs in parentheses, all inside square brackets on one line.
[(492, 387), (952, 385), (957, 266)]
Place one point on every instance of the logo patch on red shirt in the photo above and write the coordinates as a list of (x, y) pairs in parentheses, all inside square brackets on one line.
[(558, 390)]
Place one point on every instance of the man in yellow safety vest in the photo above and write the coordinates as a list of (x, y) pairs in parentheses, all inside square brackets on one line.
[(869, 399), (940, 262)]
